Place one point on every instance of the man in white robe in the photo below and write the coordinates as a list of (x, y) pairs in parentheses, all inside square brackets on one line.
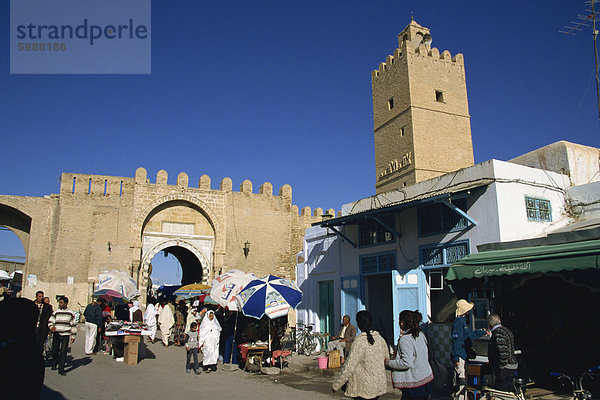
[(150, 318), (208, 340), (166, 321)]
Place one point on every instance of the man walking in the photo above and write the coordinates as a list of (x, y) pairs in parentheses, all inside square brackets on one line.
[(63, 326), (344, 340), (501, 354), (44, 314), (93, 320)]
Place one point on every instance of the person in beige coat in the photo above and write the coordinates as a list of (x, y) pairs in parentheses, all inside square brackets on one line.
[(364, 371)]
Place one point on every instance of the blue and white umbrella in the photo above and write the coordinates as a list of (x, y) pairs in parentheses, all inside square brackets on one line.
[(269, 295)]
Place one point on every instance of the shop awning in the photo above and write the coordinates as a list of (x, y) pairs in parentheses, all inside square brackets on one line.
[(550, 258)]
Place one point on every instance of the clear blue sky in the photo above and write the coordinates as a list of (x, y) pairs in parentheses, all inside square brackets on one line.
[(281, 92)]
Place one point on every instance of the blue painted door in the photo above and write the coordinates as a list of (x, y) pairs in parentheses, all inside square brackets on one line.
[(409, 292), (350, 301)]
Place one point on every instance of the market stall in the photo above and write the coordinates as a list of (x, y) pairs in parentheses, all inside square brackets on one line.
[(130, 334)]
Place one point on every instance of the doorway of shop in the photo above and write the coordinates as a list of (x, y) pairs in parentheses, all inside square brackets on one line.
[(378, 301), (326, 307)]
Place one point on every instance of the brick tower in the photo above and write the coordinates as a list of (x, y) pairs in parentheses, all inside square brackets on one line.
[(420, 111)]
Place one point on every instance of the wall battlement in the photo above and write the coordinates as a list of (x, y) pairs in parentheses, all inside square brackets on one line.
[(423, 50), (102, 185)]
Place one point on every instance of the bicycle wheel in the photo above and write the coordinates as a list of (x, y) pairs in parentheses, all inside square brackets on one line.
[(315, 345)]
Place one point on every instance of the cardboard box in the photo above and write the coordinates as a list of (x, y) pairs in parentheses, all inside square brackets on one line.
[(131, 353), (131, 339)]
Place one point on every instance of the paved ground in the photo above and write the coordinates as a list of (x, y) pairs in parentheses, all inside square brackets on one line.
[(161, 375)]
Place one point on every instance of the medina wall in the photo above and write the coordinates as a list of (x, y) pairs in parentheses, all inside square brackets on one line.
[(99, 223)]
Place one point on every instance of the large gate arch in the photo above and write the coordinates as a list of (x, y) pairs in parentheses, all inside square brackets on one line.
[(18, 221), (147, 259), (216, 222)]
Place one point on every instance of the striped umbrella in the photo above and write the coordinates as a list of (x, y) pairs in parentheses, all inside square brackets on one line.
[(191, 290), (269, 295)]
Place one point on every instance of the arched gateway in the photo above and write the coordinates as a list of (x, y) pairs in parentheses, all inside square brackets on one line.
[(98, 223)]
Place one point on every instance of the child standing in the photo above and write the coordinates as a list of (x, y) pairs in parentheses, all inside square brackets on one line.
[(191, 347)]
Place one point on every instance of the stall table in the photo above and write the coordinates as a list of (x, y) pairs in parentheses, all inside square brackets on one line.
[(256, 353), (132, 344)]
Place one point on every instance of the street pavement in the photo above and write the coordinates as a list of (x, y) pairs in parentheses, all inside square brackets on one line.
[(161, 375)]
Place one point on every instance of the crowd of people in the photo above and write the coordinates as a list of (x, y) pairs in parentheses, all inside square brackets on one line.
[(364, 374), (208, 330)]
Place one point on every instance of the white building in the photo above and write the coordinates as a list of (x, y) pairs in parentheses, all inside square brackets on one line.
[(389, 252)]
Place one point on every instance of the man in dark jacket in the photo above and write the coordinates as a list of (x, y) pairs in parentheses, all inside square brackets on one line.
[(93, 320), (501, 354), (44, 313)]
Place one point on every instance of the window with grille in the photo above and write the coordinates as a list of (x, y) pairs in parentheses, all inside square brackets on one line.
[(444, 254), (538, 209), (372, 232), (439, 218), (378, 263)]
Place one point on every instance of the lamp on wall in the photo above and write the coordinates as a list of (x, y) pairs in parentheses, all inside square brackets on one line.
[(246, 249)]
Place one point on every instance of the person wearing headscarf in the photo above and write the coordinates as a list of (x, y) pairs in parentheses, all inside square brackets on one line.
[(208, 340), (150, 318), (135, 314), (364, 371), (166, 321), (192, 316)]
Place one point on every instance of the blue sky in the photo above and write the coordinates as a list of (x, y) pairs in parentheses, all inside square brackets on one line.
[(281, 92)]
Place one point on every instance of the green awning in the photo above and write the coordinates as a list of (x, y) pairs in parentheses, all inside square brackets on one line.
[(550, 258)]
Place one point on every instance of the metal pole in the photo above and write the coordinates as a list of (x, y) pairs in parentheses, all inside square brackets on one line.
[(595, 33)]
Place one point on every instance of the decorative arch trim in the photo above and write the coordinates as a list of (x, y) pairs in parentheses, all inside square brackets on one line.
[(171, 242)]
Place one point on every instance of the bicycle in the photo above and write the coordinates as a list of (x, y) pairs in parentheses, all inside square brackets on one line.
[(520, 384), (306, 341), (579, 393)]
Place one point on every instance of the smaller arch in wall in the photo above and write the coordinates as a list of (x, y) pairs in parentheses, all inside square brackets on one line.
[(149, 255)]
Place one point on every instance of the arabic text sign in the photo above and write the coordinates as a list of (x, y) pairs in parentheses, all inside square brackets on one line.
[(509, 268)]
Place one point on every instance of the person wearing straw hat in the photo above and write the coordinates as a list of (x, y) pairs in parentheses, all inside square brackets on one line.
[(460, 333)]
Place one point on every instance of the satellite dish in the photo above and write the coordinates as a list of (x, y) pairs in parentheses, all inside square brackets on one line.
[(427, 39)]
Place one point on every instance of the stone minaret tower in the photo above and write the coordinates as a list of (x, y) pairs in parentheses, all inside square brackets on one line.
[(421, 113)]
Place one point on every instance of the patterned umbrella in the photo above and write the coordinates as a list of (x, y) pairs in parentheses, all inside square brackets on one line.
[(119, 281), (194, 289), (270, 295), (203, 298), (111, 296), (225, 287)]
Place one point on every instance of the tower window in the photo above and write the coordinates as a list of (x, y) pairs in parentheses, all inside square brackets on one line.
[(402, 132), (439, 96), (390, 103)]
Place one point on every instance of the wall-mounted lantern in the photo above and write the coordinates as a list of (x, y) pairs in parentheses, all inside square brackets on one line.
[(246, 249)]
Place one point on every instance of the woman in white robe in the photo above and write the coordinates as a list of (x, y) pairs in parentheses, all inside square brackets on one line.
[(150, 318), (208, 338), (166, 321)]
